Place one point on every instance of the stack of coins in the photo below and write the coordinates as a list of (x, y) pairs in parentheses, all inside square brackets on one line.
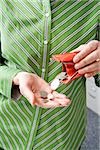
[(56, 82), (54, 85), (46, 97)]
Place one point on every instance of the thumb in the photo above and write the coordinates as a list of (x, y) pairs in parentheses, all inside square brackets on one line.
[(28, 94)]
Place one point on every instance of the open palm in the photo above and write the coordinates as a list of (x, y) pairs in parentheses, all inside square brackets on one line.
[(31, 85)]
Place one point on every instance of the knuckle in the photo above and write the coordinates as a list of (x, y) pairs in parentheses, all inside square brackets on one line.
[(96, 42), (84, 62), (96, 54), (93, 44), (79, 57), (81, 46), (87, 69)]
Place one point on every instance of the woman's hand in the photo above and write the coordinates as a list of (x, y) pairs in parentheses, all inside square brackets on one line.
[(31, 85), (87, 61)]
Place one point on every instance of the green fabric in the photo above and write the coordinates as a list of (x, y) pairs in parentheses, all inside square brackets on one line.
[(31, 32), (6, 80)]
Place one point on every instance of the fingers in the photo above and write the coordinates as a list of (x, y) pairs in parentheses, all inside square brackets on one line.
[(80, 48), (95, 67), (49, 104), (88, 75), (58, 95), (63, 102), (85, 50), (45, 103), (88, 59), (59, 100), (55, 103), (31, 90)]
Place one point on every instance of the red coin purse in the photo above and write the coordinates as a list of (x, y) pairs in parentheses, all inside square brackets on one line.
[(67, 66)]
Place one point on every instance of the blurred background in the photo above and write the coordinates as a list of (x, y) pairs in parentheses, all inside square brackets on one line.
[(92, 141)]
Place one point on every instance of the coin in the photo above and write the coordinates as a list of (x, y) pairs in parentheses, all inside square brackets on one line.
[(61, 76), (43, 94), (45, 100), (55, 84)]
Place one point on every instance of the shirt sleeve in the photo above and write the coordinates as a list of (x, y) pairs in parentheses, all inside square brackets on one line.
[(6, 76), (6, 73)]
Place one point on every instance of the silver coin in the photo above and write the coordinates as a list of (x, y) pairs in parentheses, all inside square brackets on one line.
[(45, 100), (55, 84), (61, 76), (43, 94)]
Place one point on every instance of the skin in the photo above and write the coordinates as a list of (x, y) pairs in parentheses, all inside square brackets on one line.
[(30, 84), (87, 61)]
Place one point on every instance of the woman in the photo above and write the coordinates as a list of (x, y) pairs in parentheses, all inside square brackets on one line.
[(31, 32)]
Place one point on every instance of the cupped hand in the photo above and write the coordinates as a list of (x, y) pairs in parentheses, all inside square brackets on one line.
[(87, 61), (31, 85)]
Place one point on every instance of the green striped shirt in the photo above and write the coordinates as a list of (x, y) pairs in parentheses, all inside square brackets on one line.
[(31, 32)]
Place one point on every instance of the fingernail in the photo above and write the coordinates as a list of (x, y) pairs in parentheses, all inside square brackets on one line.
[(75, 59), (76, 66)]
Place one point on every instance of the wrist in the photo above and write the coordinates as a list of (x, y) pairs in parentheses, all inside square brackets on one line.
[(17, 78)]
